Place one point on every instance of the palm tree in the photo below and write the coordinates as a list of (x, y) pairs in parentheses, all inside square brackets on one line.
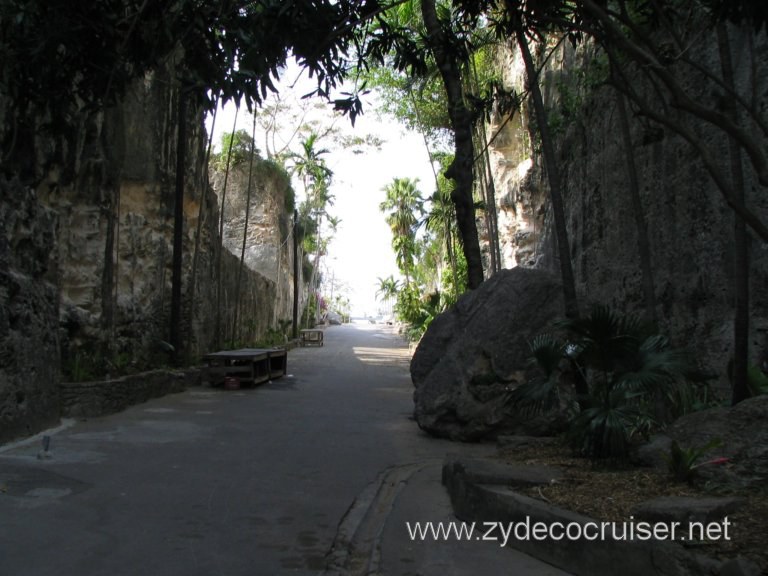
[(403, 205), (316, 178), (440, 221), (310, 164), (388, 289)]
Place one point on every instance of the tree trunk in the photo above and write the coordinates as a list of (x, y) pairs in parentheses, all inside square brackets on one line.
[(295, 275), (489, 189), (178, 228), (452, 259), (461, 121), (484, 187), (496, 246), (219, 280), (739, 375), (553, 175), (204, 185), (313, 276), (245, 232), (448, 227), (643, 244)]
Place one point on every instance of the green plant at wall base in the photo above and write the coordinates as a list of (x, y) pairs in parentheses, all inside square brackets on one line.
[(542, 393), (275, 336), (310, 311), (81, 367), (757, 380), (236, 344), (122, 363), (628, 381), (683, 463)]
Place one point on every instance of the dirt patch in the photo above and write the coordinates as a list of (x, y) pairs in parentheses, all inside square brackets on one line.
[(610, 494)]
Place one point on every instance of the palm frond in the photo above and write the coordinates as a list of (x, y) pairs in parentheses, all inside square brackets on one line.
[(536, 396), (547, 353)]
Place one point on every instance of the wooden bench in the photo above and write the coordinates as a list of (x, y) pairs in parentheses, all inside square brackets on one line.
[(249, 365), (311, 337)]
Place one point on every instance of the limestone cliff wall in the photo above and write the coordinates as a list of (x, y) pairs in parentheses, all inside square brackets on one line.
[(86, 253), (268, 246), (29, 345), (689, 225)]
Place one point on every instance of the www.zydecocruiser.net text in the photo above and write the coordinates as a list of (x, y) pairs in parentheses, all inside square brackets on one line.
[(527, 530)]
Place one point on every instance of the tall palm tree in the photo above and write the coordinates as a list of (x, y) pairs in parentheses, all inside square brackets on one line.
[(310, 165), (387, 290), (316, 178), (403, 206)]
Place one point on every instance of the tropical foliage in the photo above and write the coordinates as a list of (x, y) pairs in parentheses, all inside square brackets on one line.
[(311, 167), (402, 206), (425, 244), (684, 463), (235, 146), (625, 378)]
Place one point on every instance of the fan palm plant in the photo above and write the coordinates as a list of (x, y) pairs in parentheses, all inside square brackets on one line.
[(628, 370)]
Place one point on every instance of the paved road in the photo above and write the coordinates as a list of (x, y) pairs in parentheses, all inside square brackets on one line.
[(314, 473)]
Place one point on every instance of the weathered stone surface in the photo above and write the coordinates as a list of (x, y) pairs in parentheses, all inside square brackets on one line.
[(475, 353), (268, 248), (29, 353), (689, 226), (740, 566), (684, 509), (86, 254), (495, 471), (510, 443), (653, 453), (743, 431), (89, 399)]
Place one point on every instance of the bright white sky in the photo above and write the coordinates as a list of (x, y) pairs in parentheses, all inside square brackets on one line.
[(361, 249)]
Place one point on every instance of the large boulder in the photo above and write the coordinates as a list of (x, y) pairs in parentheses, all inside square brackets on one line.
[(473, 354), (743, 433)]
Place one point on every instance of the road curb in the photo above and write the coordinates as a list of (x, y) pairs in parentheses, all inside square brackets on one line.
[(475, 499)]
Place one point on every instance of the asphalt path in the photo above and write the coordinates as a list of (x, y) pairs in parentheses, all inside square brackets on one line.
[(296, 476)]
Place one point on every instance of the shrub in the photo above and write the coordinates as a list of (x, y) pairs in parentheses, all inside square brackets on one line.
[(683, 463), (627, 378)]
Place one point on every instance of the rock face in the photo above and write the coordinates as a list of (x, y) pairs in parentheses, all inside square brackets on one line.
[(268, 248), (743, 431), (689, 226), (29, 347), (86, 250), (472, 355), (115, 241)]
